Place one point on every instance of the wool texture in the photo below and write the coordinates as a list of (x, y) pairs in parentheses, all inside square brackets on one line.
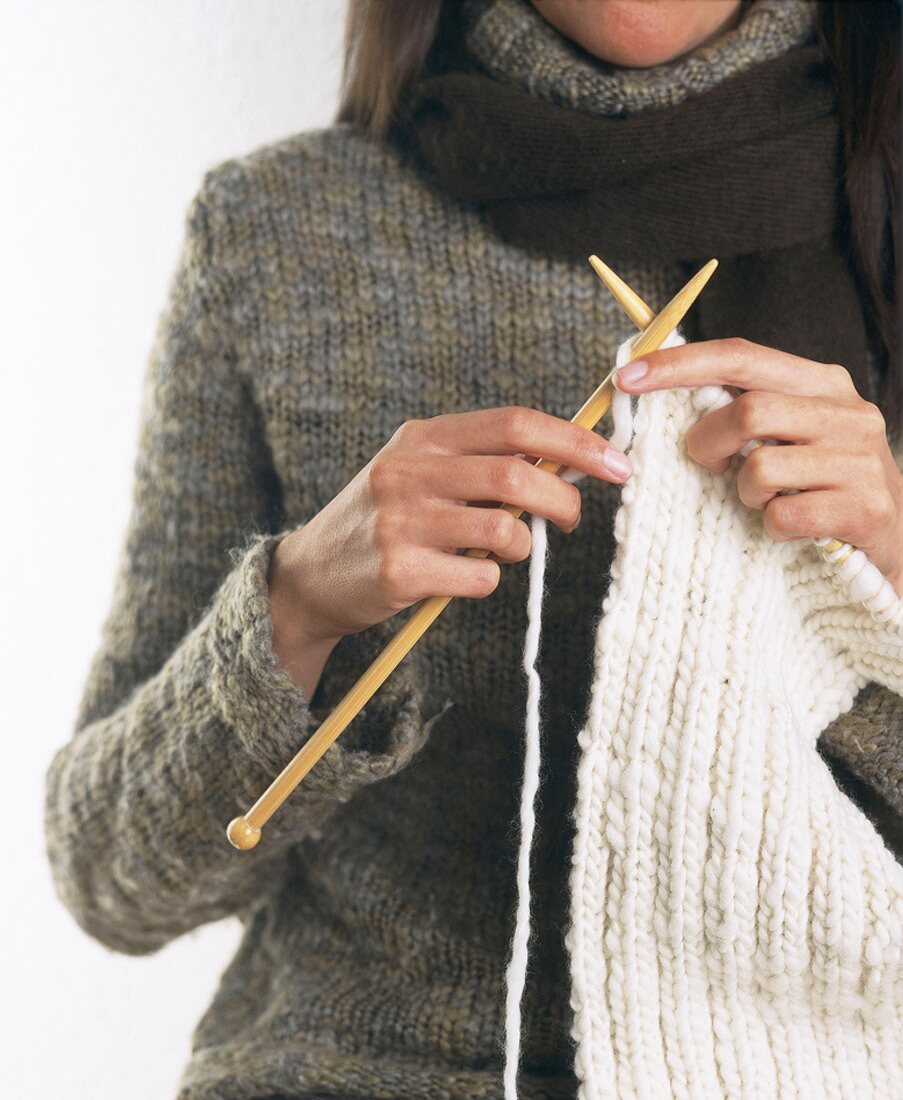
[(737, 928), (639, 883), (326, 292), (667, 185)]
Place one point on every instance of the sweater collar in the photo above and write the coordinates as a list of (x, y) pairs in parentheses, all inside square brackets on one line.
[(510, 41)]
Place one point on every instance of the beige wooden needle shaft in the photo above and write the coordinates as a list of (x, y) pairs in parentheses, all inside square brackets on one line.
[(244, 832)]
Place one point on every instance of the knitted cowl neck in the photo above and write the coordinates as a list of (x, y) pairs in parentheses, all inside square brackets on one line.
[(733, 153)]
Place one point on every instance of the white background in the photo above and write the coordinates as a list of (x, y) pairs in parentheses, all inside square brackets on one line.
[(110, 113)]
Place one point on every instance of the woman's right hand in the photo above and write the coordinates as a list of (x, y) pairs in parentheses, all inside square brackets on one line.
[(389, 538)]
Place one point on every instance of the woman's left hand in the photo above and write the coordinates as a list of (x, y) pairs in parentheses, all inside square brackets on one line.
[(837, 453)]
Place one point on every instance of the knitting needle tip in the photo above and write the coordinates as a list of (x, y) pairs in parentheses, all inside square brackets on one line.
[(632, 304), (654, 329)]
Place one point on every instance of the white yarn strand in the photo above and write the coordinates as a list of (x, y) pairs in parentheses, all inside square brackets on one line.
[(516, 976)]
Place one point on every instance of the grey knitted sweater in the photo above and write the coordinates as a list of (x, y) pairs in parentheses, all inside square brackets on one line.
[(325, 293)]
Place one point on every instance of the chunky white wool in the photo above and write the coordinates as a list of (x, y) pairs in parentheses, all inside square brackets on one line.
[(516, 974), (736, 922)]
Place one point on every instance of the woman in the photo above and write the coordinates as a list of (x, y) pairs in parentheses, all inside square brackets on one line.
[(362, 328)]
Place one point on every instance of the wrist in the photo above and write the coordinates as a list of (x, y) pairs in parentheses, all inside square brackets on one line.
[(301, 642), (292, 613)]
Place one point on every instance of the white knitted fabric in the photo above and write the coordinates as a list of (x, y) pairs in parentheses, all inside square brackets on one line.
[(736, 923)]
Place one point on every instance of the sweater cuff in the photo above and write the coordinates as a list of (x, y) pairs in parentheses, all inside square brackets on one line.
[(269, 713), (868, 740)]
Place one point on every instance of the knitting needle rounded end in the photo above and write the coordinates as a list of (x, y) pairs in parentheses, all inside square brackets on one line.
[(242, 835)]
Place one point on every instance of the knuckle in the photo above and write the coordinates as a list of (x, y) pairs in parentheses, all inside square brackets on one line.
[(752, 411), (573, 503), (881, 509), (387, 572), (692, 440), (758, 465), (499, 528), (738, 345), (395, 572), (781, 520), (876, 425), (737, 349), (409, 433), (841, 377), (521, 541), (385, 474), (747, 493), (515, 424), (509, 478), (486, 579)]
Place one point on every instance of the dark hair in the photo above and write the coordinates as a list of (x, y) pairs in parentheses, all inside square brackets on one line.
[(863, 42), (388, 41)]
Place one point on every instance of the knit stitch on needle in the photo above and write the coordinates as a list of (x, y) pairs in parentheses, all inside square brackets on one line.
[(736, 924)]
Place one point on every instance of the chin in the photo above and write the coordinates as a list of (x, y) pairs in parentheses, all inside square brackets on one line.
[(638, 34)]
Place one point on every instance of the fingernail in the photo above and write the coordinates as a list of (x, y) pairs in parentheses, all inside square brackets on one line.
[(617, 463), (632, 372)]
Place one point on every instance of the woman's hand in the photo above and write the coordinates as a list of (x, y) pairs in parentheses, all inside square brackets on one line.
[(390, 537), (839, 455)]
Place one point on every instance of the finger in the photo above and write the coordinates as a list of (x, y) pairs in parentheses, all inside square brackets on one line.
[(517, 430), (506, 479), (443, 574), (760, 414), (458, 527), (738, 363), (823, 513), (803, 515), (768, 471)]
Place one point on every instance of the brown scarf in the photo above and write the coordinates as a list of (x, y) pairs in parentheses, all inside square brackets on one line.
[(748, 172)]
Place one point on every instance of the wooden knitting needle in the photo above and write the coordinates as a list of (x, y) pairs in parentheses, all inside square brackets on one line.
[(641, 315), (244, 832)]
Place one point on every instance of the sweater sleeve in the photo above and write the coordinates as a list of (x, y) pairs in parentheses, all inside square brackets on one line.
[(186, 716), (866, 743)]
